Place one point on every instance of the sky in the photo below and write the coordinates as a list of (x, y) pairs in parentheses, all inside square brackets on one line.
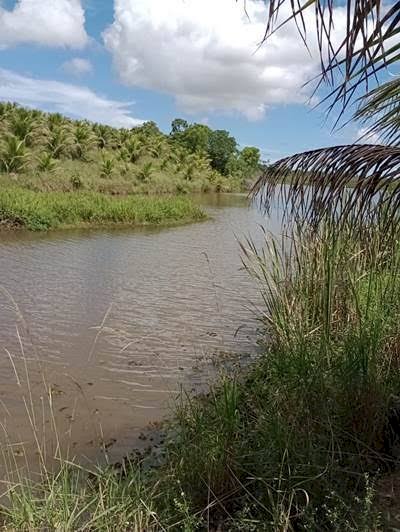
[(123, 62)]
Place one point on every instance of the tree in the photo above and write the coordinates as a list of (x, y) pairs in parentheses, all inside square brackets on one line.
[(221, 147), (179, 125), (132, 150), (354, 66), (195, 138), (58, 141), (83, 141), (13, 154), (148, 129), (250, 157)]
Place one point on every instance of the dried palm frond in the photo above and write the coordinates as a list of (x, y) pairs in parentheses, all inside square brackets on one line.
[(353, 181), (381, 108), (371, 41)]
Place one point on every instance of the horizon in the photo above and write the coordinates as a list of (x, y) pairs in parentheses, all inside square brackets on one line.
[(123, 62)]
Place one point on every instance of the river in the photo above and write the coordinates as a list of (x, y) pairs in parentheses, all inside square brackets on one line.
[(101, 328)]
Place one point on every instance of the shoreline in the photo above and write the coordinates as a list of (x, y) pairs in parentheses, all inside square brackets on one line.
[(25, 210)]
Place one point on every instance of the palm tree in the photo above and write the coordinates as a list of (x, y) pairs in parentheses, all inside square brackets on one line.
[(83, 141), (13, 154), (154, 147), (361, 58), (145, 173), (132, 149), (58, 141), (26, 125), (46, 163), (107, 167), (123, 136), (56, 120), (104, 135)]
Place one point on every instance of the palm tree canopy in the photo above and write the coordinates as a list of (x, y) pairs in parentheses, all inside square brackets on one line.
[(357, 177)]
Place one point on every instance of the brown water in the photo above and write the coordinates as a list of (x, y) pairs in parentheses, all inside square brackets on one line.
[(113, 322)]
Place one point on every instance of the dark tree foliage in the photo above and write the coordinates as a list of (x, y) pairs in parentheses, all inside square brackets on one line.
[(220, 147)]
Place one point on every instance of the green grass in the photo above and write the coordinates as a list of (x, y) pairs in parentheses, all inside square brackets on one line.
[(51, 210), (76, 500), (297, 442), (126, 178)]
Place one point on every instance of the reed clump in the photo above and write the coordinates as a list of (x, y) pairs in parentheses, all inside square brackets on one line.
[(300, 440), (298, 443), (50, 210)]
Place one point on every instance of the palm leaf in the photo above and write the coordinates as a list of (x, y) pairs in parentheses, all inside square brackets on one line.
[(381, 108), (371, 41), (351, 182)]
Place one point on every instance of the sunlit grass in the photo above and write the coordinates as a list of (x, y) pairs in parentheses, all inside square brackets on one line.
[(42, 211), (298, 441)]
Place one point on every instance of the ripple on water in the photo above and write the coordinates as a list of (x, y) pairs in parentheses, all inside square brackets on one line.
[(114, 321)]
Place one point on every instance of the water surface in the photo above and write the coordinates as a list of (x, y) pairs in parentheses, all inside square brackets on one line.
[(113, 322)]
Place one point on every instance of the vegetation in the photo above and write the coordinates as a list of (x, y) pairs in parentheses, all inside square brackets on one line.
[(220, 148), (301, 440), (50, 210), (296, 442), (355, 68), (49, 152)]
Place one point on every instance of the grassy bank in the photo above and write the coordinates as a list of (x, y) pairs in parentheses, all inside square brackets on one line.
[(51, 210), (300, 441)]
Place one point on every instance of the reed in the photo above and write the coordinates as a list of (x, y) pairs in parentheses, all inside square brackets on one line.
[(300, 440), (43, 211)]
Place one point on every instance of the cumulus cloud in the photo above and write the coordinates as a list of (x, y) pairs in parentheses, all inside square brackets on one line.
[(78, 66), (206, 54), (43, 22), (73, 100)]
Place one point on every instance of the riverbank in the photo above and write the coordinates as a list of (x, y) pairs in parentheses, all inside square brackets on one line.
[(42, 211), (303, 440)]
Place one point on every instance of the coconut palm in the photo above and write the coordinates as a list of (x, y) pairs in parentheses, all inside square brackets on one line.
[(349, 68), (58, 140), (13, 154), (46, 163), (107, 167), (104, 136), (145, 173), (132, 149), (83, 141), (154, 147), (56, 120), (123, 136), (6, 108), (27, 126)]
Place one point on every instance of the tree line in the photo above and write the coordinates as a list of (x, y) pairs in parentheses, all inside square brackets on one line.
[(193, 156)]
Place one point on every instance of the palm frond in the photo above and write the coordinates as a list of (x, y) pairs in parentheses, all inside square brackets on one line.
[(371, 40), (380, 111), (351, 181)]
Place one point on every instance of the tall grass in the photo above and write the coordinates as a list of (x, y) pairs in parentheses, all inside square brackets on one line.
[(73, 499), (299, 441), (42, 211)]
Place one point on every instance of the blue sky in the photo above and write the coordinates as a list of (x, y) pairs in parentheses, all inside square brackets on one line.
[(124, 61)]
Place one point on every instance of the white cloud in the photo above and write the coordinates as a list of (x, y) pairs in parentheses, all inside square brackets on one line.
[(365, 136), (204, 52), (73, 100), (43, 22), (78, 66)]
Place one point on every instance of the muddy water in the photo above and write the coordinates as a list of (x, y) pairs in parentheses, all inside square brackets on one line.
[(99, 329)]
